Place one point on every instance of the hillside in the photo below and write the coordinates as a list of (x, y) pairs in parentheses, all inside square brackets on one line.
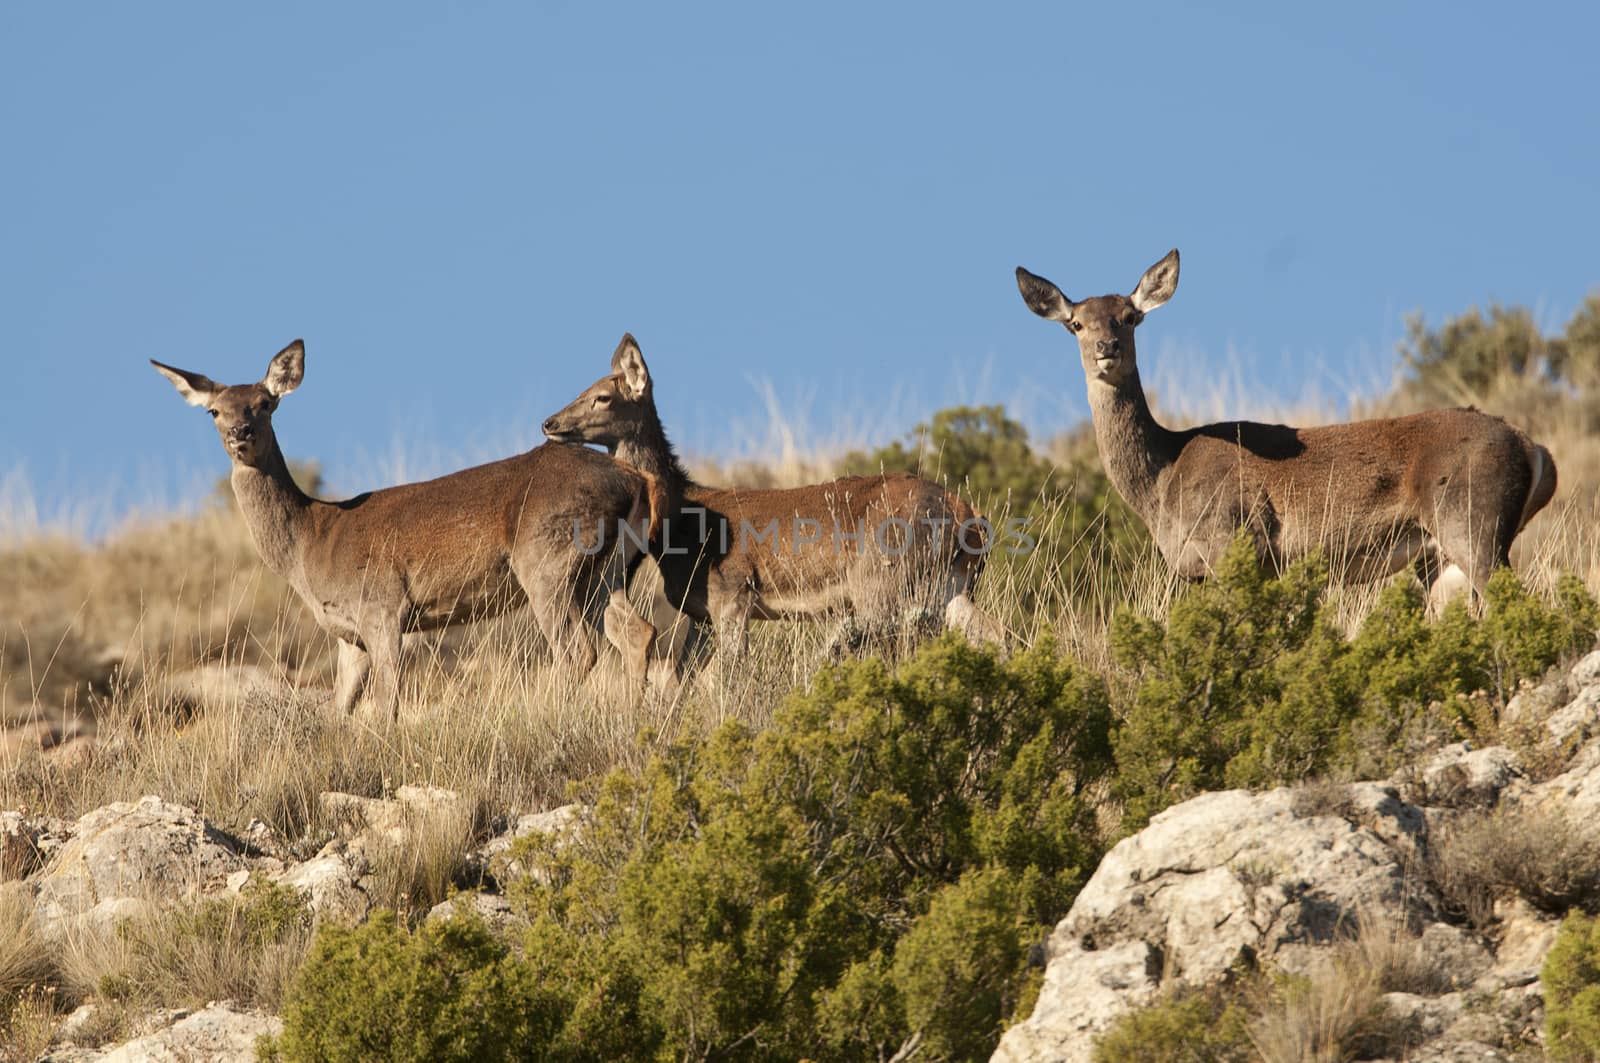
[(1260, 806)]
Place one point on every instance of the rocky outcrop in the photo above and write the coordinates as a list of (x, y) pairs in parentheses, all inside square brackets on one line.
[(130, 854), (217, 1032), (1281, 878)]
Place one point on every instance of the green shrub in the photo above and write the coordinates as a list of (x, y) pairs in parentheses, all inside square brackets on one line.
[(865, 875), (1209, 1025), (450, 991), (1248, 683), (1571, 979)]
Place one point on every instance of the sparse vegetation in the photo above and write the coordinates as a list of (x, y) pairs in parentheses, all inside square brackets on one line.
[(1544, 857), (1189, 1025), (1571, 978), (786, 859), (1250, 683)]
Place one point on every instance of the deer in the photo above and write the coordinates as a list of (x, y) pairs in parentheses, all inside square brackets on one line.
[(1442, 488), (421, 556), (727, 555)]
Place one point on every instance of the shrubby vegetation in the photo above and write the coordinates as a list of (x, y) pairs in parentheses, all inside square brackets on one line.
[(1248, 682), (1477, 357), (1571, 980), (869, 872)]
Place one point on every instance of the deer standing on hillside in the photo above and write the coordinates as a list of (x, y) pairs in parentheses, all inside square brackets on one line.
[(1451, 486), (462, 547), (859, 545)]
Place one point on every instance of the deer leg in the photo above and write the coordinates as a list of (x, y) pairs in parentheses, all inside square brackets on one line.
[(383, 650), (962, 614), (733, 629), (350, 677), (564, 624), (630, 633)]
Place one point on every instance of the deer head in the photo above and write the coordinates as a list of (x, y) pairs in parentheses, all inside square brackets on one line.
[(1104, 325), (243, 412), (613, 408)]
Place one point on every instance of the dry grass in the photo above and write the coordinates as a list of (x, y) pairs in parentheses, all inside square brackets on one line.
[(1543, 856), (28, 977), (24, 956), (1397, 957), (1336, 1012), (417, 868), (27, 1025)]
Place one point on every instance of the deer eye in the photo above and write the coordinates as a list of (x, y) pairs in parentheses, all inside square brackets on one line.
[(602, 400), (214, 414), (1075, 326)]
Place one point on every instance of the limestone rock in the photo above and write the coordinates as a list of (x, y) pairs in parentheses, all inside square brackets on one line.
[(217, 1032), (492, 908), (493, 857), (147, 851), (1222, 877), (331, 882)]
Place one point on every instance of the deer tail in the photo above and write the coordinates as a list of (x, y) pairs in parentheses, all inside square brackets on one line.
[(1541, 482)]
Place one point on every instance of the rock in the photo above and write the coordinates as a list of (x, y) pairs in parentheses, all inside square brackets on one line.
[(72, 1028), (1525, 937), (395, 820), (1219, 878), (218, 1032), (1587, 671), (1578, 720), (144, 851), (1576, 791), (28, 842), (492, 908), (1459, 775), (493, 858), (331, 883), (1087, 991)]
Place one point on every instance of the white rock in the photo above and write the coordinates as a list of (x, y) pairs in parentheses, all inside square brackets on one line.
[(331, 883), (216, 1033), (563, 822), (146, 850), (492, 908), (1217, 878)]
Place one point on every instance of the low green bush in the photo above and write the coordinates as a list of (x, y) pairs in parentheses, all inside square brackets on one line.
[(1571, 980), (449, 991), (867, 874), (1248, 683), (1210, 1025)]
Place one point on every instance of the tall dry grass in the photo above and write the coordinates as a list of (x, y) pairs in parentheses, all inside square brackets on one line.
[(202, 677)]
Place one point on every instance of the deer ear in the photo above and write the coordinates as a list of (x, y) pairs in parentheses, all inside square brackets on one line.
[(286, 370), (1043, 298), (1157, 284), (196, 390), (628, 363)]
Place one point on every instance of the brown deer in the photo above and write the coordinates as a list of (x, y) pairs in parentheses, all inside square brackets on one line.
[(1445, 486), (862, 545), (542, 527)]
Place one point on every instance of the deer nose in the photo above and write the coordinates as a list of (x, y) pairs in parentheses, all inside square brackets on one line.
[(1105, 347), (241, 432), (549, 424)]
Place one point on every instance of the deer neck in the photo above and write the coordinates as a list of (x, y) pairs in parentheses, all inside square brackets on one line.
[(648, 450), (274, 509), (1134, 448)]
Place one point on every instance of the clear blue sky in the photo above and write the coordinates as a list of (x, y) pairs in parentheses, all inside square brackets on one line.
[(462, 207)]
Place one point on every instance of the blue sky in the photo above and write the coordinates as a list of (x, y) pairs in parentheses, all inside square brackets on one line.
[(462, 207)]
